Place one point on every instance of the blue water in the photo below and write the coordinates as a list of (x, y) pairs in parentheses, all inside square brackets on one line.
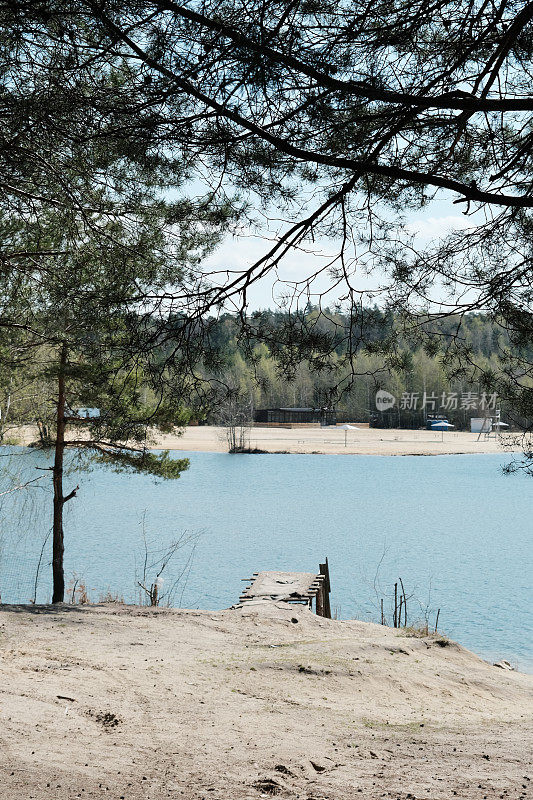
[(453, 527)]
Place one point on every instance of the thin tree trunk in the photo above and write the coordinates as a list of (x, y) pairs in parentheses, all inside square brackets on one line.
[(404, 606), (58, 594)]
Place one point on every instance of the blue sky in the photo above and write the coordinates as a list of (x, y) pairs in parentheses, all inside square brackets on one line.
[(239, 252)]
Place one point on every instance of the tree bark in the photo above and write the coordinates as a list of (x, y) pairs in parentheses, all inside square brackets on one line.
[(58, 594)]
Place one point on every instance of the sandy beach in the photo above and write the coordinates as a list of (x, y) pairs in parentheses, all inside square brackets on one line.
[(364, 441), (331, 440), (128, 703)]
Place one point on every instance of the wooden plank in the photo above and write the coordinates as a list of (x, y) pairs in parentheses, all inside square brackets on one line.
[(289, 587)]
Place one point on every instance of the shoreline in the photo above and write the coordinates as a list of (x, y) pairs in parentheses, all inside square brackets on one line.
[(159, 447)]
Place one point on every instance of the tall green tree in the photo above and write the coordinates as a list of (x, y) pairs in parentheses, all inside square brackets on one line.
[(85, 335), (94, 232)]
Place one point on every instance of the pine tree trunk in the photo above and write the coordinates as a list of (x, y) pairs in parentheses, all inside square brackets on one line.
[(58, 594)]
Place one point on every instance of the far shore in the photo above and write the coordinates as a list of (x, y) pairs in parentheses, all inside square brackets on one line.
[(330, 441), (363, 441)]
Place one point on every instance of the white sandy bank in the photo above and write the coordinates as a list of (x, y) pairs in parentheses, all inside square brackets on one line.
[(123, 702)]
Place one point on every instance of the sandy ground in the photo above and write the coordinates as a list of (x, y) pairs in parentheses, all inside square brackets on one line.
[(364, 441), (117, 702)]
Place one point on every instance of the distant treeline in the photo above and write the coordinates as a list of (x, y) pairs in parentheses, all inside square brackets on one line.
[(441, 373), (317, 359)]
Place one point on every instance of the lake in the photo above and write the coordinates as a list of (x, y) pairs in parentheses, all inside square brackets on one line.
[(453, 528)]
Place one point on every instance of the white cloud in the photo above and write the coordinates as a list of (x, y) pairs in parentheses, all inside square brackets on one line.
[(237, 253), (438, 227)]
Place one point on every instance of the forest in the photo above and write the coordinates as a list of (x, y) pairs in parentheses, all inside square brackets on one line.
[(258, 373), (421, 379)]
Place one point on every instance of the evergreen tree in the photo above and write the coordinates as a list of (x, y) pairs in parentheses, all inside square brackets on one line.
[(93, 234)]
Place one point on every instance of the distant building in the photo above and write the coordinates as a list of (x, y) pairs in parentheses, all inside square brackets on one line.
[(295, 416)]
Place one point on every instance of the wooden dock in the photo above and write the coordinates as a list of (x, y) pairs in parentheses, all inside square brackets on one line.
[(291, 587)]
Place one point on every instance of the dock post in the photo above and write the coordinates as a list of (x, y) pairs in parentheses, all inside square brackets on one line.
[(325, 590), (319, 600)]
